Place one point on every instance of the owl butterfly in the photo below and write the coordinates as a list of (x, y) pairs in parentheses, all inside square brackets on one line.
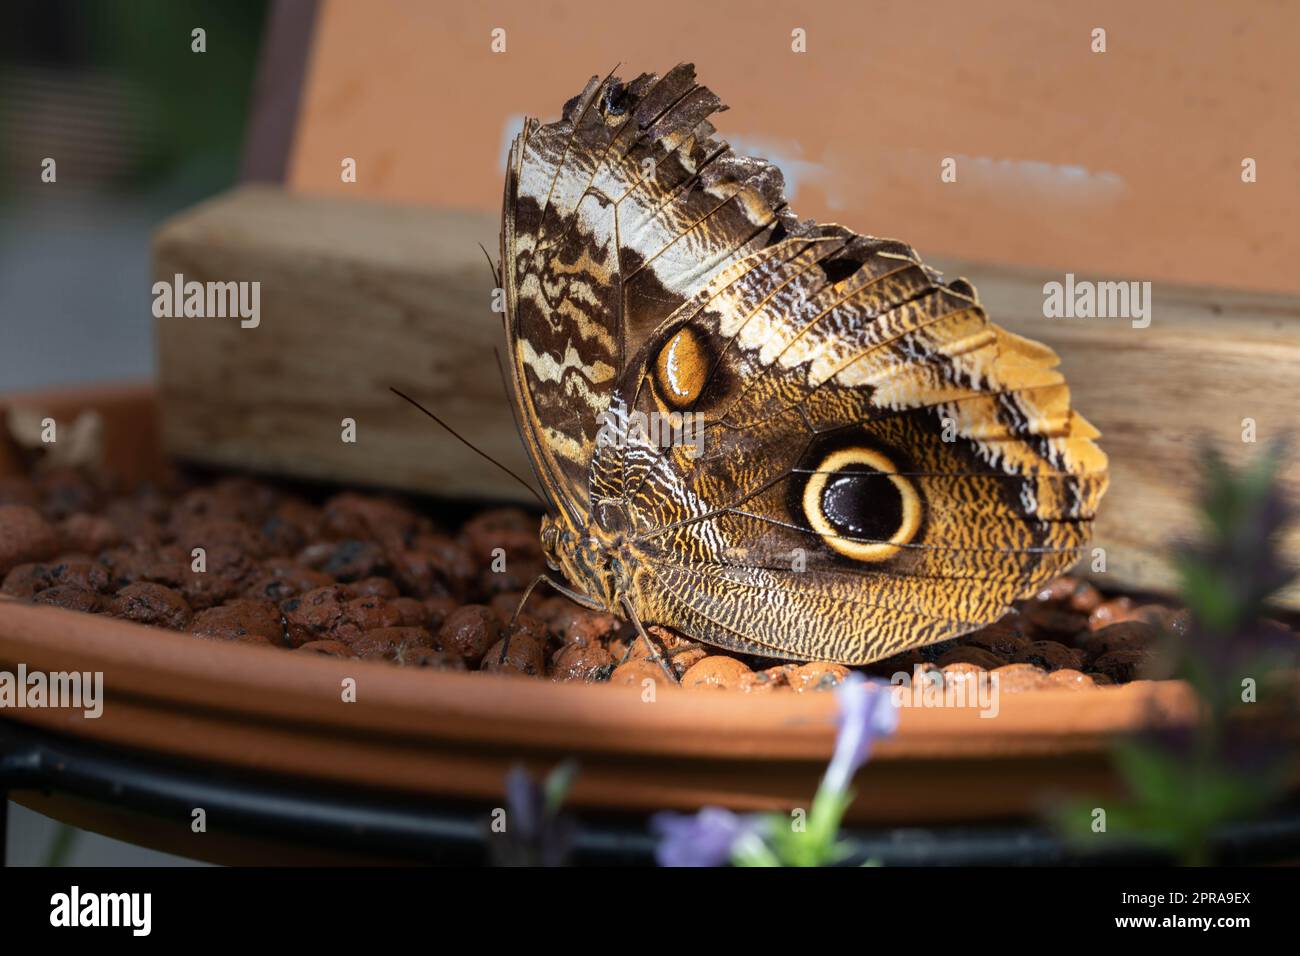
[(872, 465)]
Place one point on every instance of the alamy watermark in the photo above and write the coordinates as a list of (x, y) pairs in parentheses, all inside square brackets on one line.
[(208, 300), (620, 428), (133, 911), (978, 690), (1084, 299), (57, 690)]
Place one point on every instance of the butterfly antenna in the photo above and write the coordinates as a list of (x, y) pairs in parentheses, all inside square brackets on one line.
[(496, 276), (478, 451), (505, 386)]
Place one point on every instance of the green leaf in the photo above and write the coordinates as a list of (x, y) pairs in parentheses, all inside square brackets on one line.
[(558, 784)]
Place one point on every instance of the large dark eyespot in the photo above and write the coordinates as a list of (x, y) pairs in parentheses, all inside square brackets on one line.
[(860, 506)]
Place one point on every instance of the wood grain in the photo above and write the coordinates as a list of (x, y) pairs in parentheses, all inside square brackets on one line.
[(355, 298), (359, 296)]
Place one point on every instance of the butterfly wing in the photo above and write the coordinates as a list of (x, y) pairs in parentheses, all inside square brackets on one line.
[(881, 467), (613, 218)]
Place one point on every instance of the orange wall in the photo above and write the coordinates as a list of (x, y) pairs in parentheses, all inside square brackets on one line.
[(1125, 163)]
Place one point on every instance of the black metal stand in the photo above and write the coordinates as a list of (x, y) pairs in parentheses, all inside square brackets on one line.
[(387, 827), (353, 823)]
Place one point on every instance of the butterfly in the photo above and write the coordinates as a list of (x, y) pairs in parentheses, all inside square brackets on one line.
[(773, 436)]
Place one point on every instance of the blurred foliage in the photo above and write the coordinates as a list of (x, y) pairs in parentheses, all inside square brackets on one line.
[(1236, 760), (62, 843), (188, 110), (818, 844)]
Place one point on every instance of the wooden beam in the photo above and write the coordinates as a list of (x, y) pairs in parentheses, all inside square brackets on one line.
[(355, 298), (358, 296)]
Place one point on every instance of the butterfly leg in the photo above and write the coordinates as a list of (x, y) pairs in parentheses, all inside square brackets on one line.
[(655, 648), (572, 595)]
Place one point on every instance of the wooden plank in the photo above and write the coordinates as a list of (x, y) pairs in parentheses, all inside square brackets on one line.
[(358, 296), (355, 298)]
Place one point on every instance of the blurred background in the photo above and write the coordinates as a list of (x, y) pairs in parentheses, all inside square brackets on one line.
[(140, 127), (1125, 163)]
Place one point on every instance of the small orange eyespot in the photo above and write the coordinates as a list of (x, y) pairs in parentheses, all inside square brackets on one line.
[(682, 368)]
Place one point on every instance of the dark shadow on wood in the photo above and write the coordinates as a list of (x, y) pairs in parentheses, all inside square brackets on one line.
[(281, 73)]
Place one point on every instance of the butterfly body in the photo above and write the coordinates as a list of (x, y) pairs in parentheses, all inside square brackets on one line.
[(777, 437), (595, 559)]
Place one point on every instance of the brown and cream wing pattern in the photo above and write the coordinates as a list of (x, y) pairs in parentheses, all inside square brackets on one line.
[(881, 466), (613, 217)]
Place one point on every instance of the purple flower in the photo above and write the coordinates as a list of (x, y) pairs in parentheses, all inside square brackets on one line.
[(713, 836), (537, 833), (866, 713), (524, 803), (701, 839)]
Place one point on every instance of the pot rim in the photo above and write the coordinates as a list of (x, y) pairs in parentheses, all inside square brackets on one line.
[(175, 671)]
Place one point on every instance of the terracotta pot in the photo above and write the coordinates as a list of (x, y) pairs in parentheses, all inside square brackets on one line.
[(456, 734)]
